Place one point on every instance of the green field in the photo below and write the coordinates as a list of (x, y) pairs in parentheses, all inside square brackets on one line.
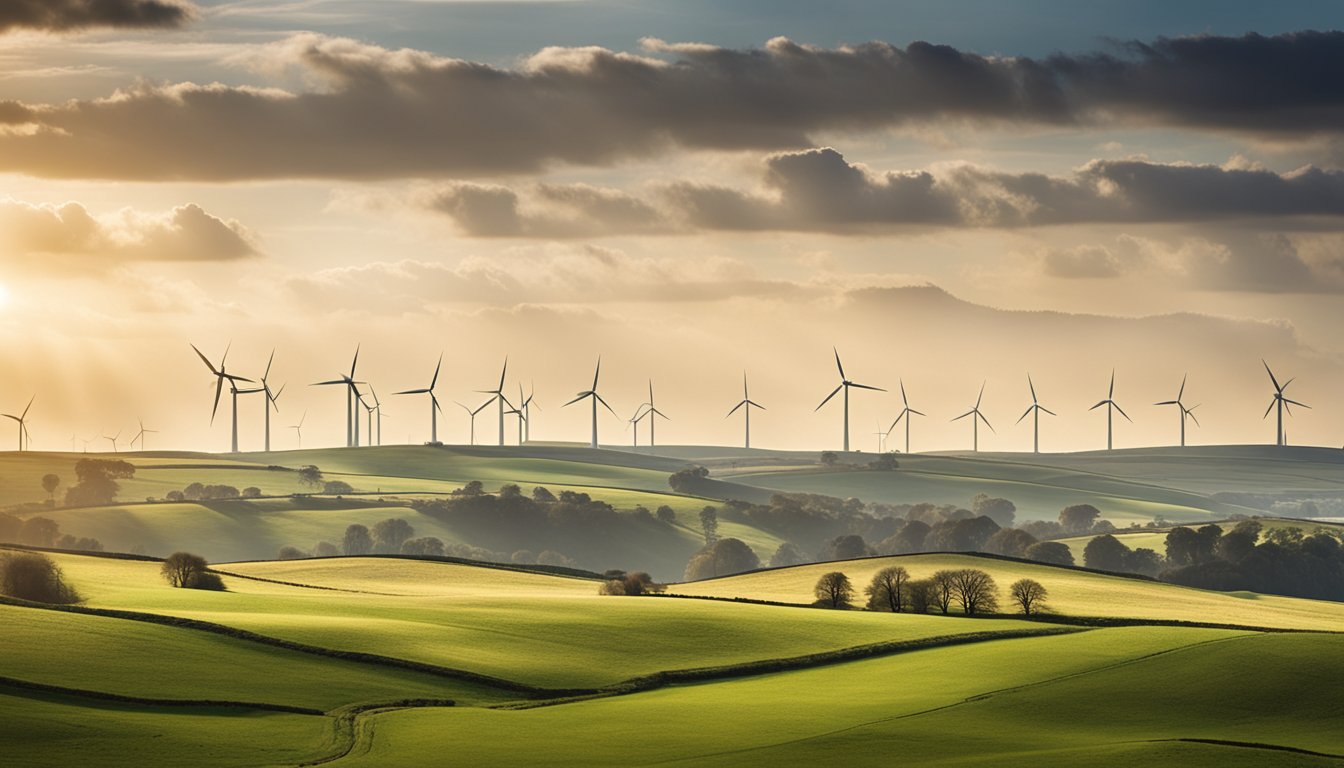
[(386, 661)]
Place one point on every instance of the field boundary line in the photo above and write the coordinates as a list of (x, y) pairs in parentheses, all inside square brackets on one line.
[(60, 690)]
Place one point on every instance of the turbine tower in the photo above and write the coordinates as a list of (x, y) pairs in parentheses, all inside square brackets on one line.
[(298, 428), (1281, 403), (140, 436), (653, 413), (472, 414), (521, 420), (634, 420), (271, 397), (845, 384), (22, 419), (1035, 412), (498, 397), (222, 375), (906, 413), (1180, 406), (375, 410), (351, 393), (1111, 405), (434, 408), (976, 418), (596, 398), (881, 437), (746, 405)]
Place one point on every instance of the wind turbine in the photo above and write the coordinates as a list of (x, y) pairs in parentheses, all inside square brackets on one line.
[(270, 397), (592, 393), (1111, 405), (746, 405), (351, 392), (1180, 405), (845, 384), (976, 418), (222, 375), (377, 408), (434, 408), (653, 413), (881, 437), (521, 420), (113, 439), (1281, 402), (472, 414), (527, 411), (140, 436), (22, 420), (498, 393), (634, 420), (298, 428), (906, 413), (1035, 412)]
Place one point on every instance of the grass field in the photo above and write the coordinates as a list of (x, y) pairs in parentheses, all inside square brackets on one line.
[(1073, 592), (352, 661)]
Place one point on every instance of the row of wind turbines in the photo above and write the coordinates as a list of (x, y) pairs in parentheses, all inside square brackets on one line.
[(362, 399)]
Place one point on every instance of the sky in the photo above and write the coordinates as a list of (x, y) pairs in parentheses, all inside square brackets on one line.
[(949, 195)]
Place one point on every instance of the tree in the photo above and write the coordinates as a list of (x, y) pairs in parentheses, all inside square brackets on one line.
[(845, 547), (1001, 511), (1182, 546), (1013, 542), (888, 589), (941, 590), (97, 484), (390, 534), (1105, 553), (337, 488), (1145, 561), (193, 491), (1235, 545), (357, 540), (833, 590), (721, 558), (251, 492), (1028, 595), (666, 514), (431, 546), (542, 495), (291, 553), (175, 496), (975, 590), (1078, 518), (921, 595), (1053, 552), (311, 477), (551, 557), (49, 484), (829, 458), (39, 532), (510, 491), (33, 576), (183, 569), (685, 480), (787, 555), (709, 523), (325, 549), (910, 538)]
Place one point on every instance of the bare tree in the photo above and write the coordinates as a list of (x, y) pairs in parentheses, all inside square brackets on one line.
[(975, 590), (941, 590), (1029, 595), (182, 569), (833, 590), (888, 590)]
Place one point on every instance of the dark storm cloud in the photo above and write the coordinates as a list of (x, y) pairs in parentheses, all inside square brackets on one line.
[(819, 191), (68, 15), (384, 113)]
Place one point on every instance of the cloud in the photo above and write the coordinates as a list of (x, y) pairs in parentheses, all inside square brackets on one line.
[(67, 235), (373, 112), (69, 15), (819, 191), (555, 274), (1085, 261)]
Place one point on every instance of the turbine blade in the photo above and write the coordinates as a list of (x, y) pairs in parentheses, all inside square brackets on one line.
[(1181, 393), (1122, 412), (917, 413), (1270, 408), (1032, 386), (1274, 380), (604, 402), (1111, 392), (1098, 405), (1286, 400), (502, 372), (834, 392), (27, 407), (413, 392), (219, 389), (205, 360), (865, 386), (434, 381), (837, 362), (964, 415), (904, 401), (269, 360), (981, 395), (327, 383), (1024, 415), (577, 399), (1168, 402), (736, 407), (987, 424), (1047, 410), (354, 362)]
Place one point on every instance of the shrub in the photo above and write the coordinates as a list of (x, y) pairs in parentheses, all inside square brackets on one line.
[(291, 553), (666, 514), (630, 584), (251, 492), (833, 590), (1052, 552), (431, 546), (182, 569), (723, 557), (207, 581), (337, 488), (325, 549), (33, 576)]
